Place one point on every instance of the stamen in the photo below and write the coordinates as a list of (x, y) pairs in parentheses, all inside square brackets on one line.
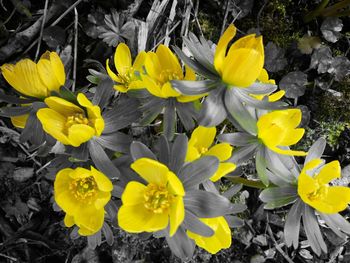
[(157, 198), (84, 189)]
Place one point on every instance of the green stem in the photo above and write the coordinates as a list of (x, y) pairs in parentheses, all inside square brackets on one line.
[(246, 182)]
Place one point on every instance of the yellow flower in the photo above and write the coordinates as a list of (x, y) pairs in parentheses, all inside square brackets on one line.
[(126, 77), (70, 124), (219, 240), (279, 128), (36, 79), (82, 194), (152, 207), (316, 192), (19, 121), (163, 66), (200, 144), (244, 61)]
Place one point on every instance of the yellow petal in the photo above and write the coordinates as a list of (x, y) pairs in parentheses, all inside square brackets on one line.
[(80, 133), (190, 74), (67, 201), (221, 48), (112, 74), (24, 78), (251, 42), (58, 68), (168, 61), (292, 136), (287, 152), (338, 198), (47, 75), (220, 240), (137, 219), (102, 198), (54, 124), (84, 101), (139, 60), (103, 182), (329, 172), (177, 214), (185, 99), (69, 220), (306, 185), (122, 59), (175, 185), (62, 106), (223, 169), (151, 86), (133, 194), (20, 121), (276, 96), (192, 154), (242, 67), (168, 91), (222, 151), (90, 218), (152, 65), (202, 137), (151, 170)]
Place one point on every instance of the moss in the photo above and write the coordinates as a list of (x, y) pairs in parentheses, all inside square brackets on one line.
[(211, 29)]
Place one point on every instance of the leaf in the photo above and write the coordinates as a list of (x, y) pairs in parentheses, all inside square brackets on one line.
[(292, 224), (275, 193), (336, 222), (107, 232), (274, 58), (321, 59), (139, 150), (307, 44), (169, 120), (188, 87), (294, 84), (261, 165), (178, 153), (104, 92), (316, 150), (22, 174), (340, 67), (206, 204), (116, 141), (241, 8), (193, 224), (164, 150), (330, 29), (234, 221), (237, 138), (243, 154), (196, 172), (180, 244), (313, 232), (187, 114)]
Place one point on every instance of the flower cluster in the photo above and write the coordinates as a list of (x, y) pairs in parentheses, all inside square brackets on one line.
[(171, 191)]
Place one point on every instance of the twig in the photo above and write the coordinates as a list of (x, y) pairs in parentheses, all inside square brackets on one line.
[(56, 22), (225, 17), (195, 11), (41, 30), (8, 257), (10, 16), (278, 246), (259, 15), (171, 30), (75, 48)]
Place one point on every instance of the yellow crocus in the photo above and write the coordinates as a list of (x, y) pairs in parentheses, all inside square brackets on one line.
[(154, 206), (242, 64), (200, 144), (316, 191), (163, 66), (219, 240), (69, 123), (279, 128), (82, 194), (127, 72), (36, 79)]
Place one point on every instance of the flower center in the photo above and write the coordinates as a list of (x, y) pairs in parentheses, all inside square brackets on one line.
[(77, 118), (319, 193), (202, 150), (128, 76), (167, 75), (157, 198), (84, 189)]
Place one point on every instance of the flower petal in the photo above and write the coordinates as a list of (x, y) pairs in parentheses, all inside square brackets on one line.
[(292, 137), (20, 121), (151, 170), (122, 59), (202, 137), (177, 214), (168, 61), (192, 153), (133, 193), (58, 68), (223, 169), (221, 48), (329, 172), (103, 182), (222, 151), (80, 133), (90, 218), (69, 220), (63, 106), (47, 75), (175, 185), (168, 91), (139, 60)]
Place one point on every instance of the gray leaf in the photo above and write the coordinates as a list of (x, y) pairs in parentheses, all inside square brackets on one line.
[(198, 171), (330, 29), (234, 221), (198, 87), (316, 150), (169, 120), (294, 84), (275, 193), (180, 244), (336, 222), (292, 225), (237, 138), (139, 150), (116, 141), (192, 223), (242, 154), (340, 67), (261, 165), (178, 153), (187, 114), (274, 57), (206, 204)]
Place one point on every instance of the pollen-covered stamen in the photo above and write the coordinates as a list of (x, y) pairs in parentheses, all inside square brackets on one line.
[(202, 150), (77, 118), (84, 189), (157, 198), (128, 76), (167, 75), (319, 193)]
